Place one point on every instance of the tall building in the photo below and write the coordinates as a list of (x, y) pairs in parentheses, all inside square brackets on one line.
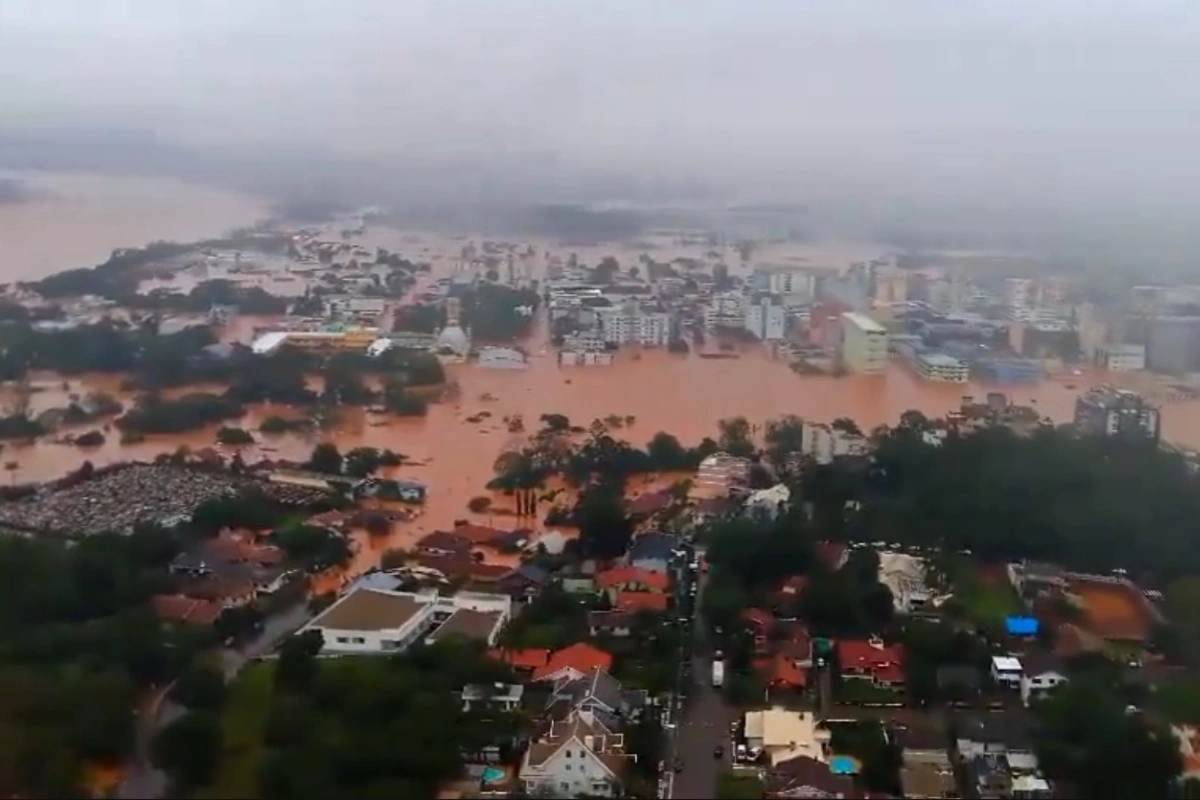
[(1017, 295), (864, 345), (630, 324), (1173, 344), (766, 320), (725, 310), (890, 285), (1115, 412), (789, 281)]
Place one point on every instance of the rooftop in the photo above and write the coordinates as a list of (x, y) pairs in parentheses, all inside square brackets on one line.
[(863, 322), (1006, 664), (468, 624), (369, 610)]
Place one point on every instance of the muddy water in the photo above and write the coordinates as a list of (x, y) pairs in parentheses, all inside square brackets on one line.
[(77, 220), (684, 395)]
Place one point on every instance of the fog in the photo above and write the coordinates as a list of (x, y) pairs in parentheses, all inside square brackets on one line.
[(866, 105)]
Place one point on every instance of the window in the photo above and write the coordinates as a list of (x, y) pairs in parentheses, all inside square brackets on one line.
[(358, 640), (568, 754), (567, 767), (342, 640), (565, 786)]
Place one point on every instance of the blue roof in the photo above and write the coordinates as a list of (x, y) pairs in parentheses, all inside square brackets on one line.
[(1021, 626), (652, 545)]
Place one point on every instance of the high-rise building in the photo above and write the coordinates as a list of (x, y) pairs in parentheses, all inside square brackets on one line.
[(766, 320), (630, 324), (725, 310), (1017, 295), (1115, 412), (1173, 344), (864, 343)]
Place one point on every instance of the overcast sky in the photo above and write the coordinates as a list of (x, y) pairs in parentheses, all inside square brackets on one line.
[(1064, 96)]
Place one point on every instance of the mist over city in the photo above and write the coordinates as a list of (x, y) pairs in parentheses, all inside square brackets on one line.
[(566, 399)]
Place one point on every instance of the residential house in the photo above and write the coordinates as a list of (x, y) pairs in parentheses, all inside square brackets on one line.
[(231, 568), (780, 672), (988, 776), (577, 756), (227, 592), (573, 662), (759, 623), (1040, 673), (525, 582), (444, 544), (1004, 733), (651, 503), (1006, 671), (808, 777), (523, 661), (334, 520), (597, 692), (783, 735), (652, 552), (504, 696), (375, 621), (767, 503), (553, 542), (872, 660), (630, 579)]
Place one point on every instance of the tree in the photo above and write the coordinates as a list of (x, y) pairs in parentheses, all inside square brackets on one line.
[(234, 436), (667, 454), (846, 426), (326, 458), (604, 528), (556, 423), (1088, 739), (200, 687), (784, 437), (606, 270), (189, 749), (297, 664), (736, 437)]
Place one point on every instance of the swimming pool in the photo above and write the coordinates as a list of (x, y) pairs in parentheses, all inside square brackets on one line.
[(493, 775), (843, 765)]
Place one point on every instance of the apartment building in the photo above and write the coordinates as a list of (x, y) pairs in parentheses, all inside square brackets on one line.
[(766, 319), (864, 343), (629, 324), (725, 310)]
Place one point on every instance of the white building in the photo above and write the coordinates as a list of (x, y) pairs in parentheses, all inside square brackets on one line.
[(354, 304), (864, 344), (766, 320), (823, 443), (725, 310), (1018, 294), (368, 621), (577, 756), (577, 358), (1037, 682), (788, 281), (630, 324), (1122, 357), (1006, 671), (767, 502), (941, 368), (502, 358)]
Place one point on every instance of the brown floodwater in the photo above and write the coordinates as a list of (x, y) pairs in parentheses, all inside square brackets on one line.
[(684, 395)]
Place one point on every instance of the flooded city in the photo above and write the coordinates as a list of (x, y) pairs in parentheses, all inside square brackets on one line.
[(681, 394)]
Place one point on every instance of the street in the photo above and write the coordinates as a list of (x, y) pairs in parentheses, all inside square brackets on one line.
[(141, 779), (703, 725)]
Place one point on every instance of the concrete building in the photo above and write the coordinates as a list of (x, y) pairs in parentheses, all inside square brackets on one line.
[(890, 285), (1116, 412), (719, 474), (904, 575), (1122, 357), (1173, 344), (629, 324), (941, 368), (725, 310), (864, 344), (766, 319), (1018, 295), (502, 358), (367, 621), (792, 282), (823, 443)]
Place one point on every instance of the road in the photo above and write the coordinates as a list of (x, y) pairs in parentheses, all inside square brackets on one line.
[(704, 724), (142, 781)]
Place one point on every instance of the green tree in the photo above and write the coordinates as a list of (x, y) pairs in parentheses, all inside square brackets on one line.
[(326, 458), (605, 530), (297, 665), (189, 749), (200, 687), (667, 454), (736, 437)]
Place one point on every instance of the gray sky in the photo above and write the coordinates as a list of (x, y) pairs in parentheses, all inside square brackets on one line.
[(1024, 98)]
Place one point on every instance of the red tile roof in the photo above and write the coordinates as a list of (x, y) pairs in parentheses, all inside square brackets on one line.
[(530, 658), (641, 601), (181, 609), (581, 657), (832, 554), (624, 575), (328, 518), (861, 655), (798, 645), (781, 671)]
